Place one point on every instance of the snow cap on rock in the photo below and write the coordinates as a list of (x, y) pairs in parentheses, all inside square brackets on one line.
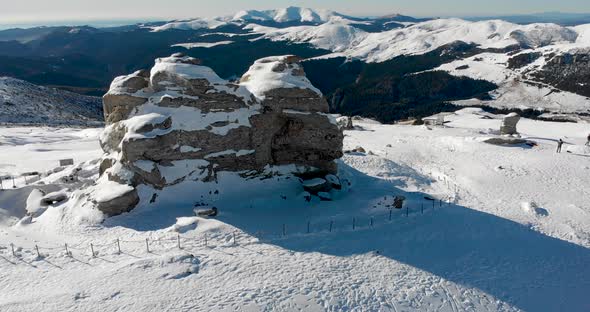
[(276, 72)]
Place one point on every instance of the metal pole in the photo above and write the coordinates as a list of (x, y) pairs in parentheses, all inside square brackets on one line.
[(235, 238), (440, 202), (13, 185), (38, 254), (92, 249), (284, 230), (307, 227), (178, 240), (147, 245), (67, 251), (12, 247), (331, 223), (407, 211), (118, 246)]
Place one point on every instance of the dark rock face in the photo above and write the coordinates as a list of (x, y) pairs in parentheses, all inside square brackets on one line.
[(183, 118), (523, 59), (121, 204), (568, 72), (509, 123)]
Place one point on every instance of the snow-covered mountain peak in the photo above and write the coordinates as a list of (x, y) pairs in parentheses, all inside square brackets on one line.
[(285, 15)]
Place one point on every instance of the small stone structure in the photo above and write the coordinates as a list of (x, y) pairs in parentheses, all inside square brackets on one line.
[(180, 121), (509, 123)]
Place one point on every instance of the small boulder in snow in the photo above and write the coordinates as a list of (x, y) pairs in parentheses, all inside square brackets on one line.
[(314, 186), (33, 204), (54, 198), (532, 208), (325, 196), (207, 212), (334, 181)]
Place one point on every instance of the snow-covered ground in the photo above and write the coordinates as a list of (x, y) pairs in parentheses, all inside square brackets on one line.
[(512, 232), (27, 149)]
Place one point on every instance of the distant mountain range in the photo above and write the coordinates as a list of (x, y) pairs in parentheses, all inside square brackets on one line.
[(564, 19), (389, 67)]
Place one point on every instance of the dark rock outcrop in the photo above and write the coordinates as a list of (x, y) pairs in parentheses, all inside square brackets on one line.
[(567, 71)]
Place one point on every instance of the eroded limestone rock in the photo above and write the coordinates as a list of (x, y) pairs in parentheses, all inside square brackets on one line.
[(183, 122)]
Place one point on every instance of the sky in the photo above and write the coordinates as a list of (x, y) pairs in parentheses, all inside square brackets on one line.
[(40, 11)]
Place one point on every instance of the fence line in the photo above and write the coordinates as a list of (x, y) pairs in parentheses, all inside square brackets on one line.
[(117, 246)]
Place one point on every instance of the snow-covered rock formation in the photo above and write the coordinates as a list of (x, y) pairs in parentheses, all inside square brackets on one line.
[(181, 121)]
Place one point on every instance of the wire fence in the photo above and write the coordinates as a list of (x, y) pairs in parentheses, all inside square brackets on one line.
[(206, 241), (15, 181)]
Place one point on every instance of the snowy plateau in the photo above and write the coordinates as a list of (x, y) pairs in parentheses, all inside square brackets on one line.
[(508, 230), (482, 227)]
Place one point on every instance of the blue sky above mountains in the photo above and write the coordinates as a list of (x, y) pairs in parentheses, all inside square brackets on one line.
[(26, 11)]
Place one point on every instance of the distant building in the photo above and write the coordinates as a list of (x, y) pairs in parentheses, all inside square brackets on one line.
[(436, 120)]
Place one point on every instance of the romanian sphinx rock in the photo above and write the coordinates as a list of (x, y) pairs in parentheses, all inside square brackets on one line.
[(181, 121)]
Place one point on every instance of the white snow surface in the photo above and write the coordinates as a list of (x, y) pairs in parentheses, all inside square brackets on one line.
[(283, 15), (192, 45), (210, 23), (174, 65), (480, 249), (421, 37), (261, 77)]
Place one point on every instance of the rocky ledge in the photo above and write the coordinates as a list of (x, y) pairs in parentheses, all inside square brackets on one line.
[(180, 121)]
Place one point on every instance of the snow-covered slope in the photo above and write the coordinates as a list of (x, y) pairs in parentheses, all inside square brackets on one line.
[(284, 15), (193, 24), (25, 103), (279, 16), (511, 234), (516, 89), (336, 35), (422, 37)]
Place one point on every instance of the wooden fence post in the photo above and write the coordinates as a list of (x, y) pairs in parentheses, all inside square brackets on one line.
[(147, 245), (67, 251), (92, 250), (178, 240), (118, 246), (12, 247), (38, 254)]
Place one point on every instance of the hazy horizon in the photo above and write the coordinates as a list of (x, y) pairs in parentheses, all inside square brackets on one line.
[(72, 12)]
